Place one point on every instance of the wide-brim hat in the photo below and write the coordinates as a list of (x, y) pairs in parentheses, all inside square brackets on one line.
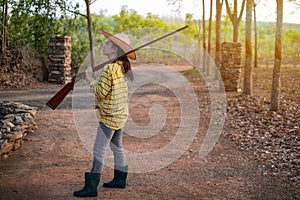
[(122, 40)]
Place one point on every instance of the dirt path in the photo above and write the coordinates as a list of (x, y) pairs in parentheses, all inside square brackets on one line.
[(52, 162)]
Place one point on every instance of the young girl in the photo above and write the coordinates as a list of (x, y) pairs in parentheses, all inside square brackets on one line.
[(111, 94)]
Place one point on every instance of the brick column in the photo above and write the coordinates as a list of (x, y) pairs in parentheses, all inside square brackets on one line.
[(60, 59), (231, 65)]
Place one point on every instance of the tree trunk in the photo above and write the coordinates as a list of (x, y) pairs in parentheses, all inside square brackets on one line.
[(235, 18), (236, 32), (90, 29), (248, 44), (203, 36), (198, 24), (255, 35), (218, 35), (275, 93), (209, 38), (4, 27)]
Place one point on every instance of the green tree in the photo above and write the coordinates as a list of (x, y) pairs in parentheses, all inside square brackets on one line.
[(32, 23), (291, 45), (128, 19)]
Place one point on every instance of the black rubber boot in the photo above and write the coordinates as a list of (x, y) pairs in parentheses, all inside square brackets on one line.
[(119, 180), (90, 188)]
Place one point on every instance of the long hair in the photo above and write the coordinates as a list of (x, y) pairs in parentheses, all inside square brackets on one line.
[(126, 63)]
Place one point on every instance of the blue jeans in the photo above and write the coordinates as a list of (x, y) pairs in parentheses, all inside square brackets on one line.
[(104, 136)]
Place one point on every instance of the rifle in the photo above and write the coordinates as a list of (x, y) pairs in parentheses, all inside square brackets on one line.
[(64, 91)]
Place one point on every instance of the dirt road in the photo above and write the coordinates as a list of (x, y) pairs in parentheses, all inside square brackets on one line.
[(52, 162)]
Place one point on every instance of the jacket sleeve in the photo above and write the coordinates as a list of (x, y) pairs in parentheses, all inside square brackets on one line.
[(104, 83)]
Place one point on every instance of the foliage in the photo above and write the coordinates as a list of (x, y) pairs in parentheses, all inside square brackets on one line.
[(292, 45), (32, 22)]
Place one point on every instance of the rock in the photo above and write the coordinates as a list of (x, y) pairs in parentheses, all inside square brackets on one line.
[(7, 147), (16, 121), (17, 128), (17, 144), (9, 117), (274, 139), (11, 125)]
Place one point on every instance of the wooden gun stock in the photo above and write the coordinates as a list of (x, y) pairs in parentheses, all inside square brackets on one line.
[(62, 93)]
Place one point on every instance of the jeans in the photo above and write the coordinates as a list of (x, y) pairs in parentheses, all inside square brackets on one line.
[(104, 136)]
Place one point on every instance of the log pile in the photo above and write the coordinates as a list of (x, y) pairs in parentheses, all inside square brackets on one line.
[(60, 59), (231, 65), (16, 121)]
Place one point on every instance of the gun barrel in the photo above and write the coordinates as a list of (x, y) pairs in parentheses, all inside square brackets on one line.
[(62, 93)]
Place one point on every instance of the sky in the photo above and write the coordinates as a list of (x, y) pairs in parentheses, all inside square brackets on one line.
[(266, 9)]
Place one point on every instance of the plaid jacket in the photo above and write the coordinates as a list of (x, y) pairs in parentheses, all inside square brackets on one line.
[(111, 94)]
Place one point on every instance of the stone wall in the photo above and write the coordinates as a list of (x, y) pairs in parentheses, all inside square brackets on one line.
[(231, 65), (16, 121), (60, 59)]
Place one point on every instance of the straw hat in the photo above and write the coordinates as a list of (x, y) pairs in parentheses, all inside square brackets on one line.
[(122, 40)]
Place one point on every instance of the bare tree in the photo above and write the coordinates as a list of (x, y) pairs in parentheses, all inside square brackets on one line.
[(209, 37), (255, 3), (198, 31), (203, 36), (4, 27), (248, 44), (90, 30), (219, 5), (235, 18), (275, 92)]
